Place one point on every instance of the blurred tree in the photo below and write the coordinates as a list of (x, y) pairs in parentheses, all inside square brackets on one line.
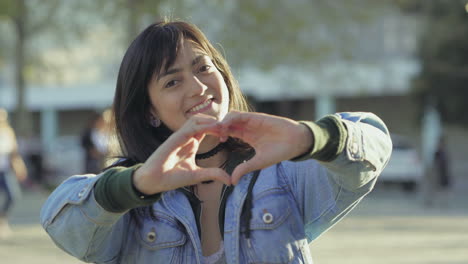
[(296, 32), (443, 51), (134, 14), (55, 23), (25, 24)]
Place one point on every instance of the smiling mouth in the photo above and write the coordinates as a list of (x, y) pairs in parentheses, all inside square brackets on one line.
[(201, 107)]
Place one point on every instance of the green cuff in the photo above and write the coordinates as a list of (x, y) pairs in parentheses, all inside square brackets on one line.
[(330, 136), (115, 192)]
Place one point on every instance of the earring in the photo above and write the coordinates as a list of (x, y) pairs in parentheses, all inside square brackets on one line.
[(154, 121)]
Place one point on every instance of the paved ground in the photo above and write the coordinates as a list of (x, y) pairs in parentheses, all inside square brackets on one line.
[(387, 227), (391, 227)]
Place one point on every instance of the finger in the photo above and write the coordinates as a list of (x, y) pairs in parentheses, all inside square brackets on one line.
[(195, 130), (237, 124), (234, 117), (217, 174), (186, 137), (236, 131), (199, 122), (233, 127), (199, 137), (244, 168), (203, 119)]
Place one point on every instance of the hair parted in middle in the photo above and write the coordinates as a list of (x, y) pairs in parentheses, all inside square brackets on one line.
[(154, 48)]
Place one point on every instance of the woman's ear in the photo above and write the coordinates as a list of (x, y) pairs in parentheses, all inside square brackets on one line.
[(153, 118), (155, 121)]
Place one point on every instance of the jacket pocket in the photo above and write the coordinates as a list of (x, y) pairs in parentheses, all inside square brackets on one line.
[(274, 230), (161, 240)]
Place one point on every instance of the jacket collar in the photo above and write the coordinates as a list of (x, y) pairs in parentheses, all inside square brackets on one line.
[(178, 204)]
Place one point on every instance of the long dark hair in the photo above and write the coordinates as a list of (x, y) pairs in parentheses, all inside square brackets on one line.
[(154, 48)]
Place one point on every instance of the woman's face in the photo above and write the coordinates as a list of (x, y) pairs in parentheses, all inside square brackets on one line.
[(192, 85)]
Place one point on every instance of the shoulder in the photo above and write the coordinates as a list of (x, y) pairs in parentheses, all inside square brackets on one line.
[(285, 173)]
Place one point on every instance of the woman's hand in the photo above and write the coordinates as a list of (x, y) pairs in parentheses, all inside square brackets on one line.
[(274, 139), (173, 165)]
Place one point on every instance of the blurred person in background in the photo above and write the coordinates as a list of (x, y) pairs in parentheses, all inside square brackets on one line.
[(205, 180), (443, 177), (12, 171), (94, 142)]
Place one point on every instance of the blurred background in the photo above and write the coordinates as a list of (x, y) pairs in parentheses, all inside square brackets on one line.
[(405, 60)]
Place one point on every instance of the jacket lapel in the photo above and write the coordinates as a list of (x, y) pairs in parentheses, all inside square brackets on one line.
[(179, 206), (232, 221)]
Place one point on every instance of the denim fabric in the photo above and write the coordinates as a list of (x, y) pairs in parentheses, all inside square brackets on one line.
[(10, 189), (8, 200), (293, 204)]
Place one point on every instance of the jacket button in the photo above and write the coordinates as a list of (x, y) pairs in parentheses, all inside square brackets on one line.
[(81, 193), (354, 147), (267, 218), (151, 236)]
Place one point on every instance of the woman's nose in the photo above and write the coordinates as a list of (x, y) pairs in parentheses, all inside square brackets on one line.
[(197, 87)]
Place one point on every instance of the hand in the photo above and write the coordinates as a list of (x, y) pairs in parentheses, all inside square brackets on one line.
[(19, 168), (274, 139), (173, 165)]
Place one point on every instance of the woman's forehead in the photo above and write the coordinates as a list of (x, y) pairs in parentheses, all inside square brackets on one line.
[(186, 50), (190, 47)]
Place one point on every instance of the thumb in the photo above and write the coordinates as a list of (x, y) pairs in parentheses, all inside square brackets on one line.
[(199, 137), (217, 174), (244, 168)]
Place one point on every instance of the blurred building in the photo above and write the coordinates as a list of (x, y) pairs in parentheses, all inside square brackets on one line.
[(376, 78)]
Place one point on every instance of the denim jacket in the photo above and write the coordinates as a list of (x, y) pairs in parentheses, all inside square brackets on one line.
[(293, 203)]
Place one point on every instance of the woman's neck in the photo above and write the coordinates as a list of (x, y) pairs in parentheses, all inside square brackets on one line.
[(208, 144), (215, 161)]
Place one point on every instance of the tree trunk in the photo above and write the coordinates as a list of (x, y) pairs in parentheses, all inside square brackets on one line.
[(23, 118), (132, 30)]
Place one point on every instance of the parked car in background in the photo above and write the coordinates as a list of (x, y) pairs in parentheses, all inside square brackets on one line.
[(405, 166)]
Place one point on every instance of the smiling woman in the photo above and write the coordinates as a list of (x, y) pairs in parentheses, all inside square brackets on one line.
[(203, 179), (191, 86)]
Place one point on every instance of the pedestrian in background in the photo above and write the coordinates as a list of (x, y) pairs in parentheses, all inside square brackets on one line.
[(12, 172), (443, 178), (94, 142), (203, 179)]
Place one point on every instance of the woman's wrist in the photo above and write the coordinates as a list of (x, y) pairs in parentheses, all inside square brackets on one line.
[(138, 184), (114, 191), (306, 141)]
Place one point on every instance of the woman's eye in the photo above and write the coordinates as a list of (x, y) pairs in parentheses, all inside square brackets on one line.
[(204, 68), (170, 83)]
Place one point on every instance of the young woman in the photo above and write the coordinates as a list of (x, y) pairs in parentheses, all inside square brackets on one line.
[(203, 180), (12, 172)]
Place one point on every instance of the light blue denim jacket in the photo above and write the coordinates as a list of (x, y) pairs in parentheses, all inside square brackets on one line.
[(293, 204)]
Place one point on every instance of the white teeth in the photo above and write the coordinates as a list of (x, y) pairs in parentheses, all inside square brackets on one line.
[(199, 107)]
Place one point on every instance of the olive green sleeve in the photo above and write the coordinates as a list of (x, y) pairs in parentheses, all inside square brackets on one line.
[(115, 192), (329, 135)]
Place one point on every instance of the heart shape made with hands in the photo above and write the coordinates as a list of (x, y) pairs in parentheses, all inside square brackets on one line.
[(173, 165), (274, 139)]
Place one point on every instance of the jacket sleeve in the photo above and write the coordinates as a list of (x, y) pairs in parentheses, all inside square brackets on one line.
[(79, 225), (326, 191)]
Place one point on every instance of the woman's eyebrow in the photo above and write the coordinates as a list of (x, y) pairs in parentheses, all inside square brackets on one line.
[(176, 70), (198, 59)]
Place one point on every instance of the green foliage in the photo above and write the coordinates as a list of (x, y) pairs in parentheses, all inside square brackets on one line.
[(444, 57), (7, 9), (295, 32)]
